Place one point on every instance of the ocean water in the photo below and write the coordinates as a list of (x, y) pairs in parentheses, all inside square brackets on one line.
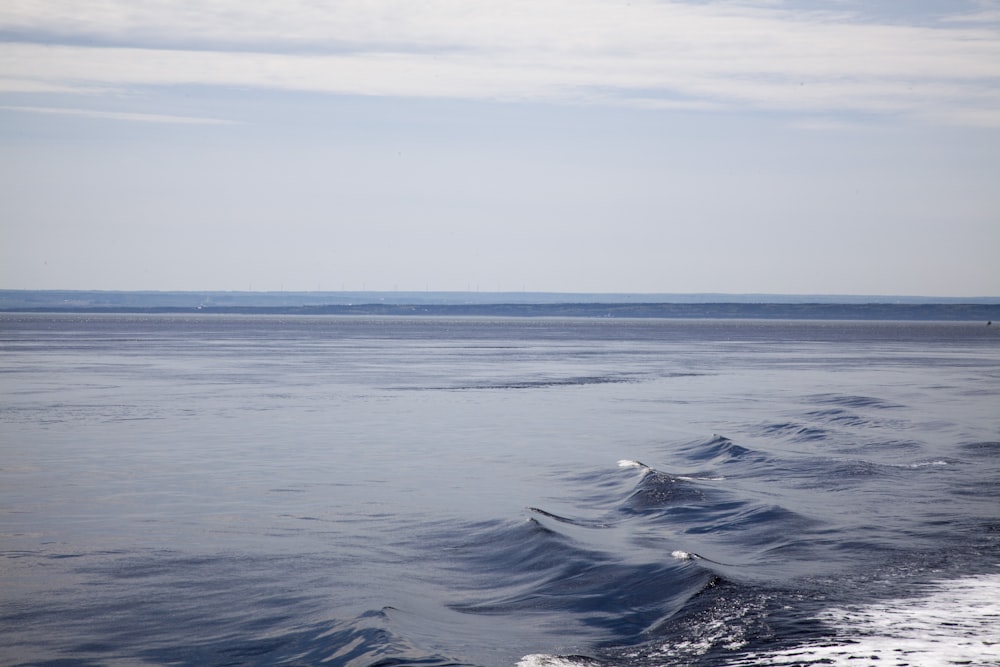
[(263, 490)]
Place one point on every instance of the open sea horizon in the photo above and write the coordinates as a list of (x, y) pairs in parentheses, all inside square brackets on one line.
[(355, 490)]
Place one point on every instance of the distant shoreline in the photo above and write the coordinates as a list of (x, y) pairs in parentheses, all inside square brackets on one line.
[(507, 304), (771, 311)]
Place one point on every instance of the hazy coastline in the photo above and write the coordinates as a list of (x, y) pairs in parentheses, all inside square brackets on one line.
[(509, 304)]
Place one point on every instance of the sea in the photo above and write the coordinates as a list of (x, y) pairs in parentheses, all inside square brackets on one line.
[(194, 489)]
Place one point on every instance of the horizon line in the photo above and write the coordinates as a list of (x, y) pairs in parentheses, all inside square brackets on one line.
[(523, 293)]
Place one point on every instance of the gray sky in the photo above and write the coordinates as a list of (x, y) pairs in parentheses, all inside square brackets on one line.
[(837, 147)]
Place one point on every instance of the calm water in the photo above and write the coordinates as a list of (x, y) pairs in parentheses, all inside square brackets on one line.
[(226, 490)]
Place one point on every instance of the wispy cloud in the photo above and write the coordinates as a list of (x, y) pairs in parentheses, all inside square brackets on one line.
[(41, 86), (669, 54), (118, 115)]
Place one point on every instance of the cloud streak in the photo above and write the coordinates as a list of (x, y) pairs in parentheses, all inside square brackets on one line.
[(720, 55), (120, 115)]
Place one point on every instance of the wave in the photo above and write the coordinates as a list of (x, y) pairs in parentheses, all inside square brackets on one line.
[(756, 605), (718, 450), (542, 383), (657, 491), (948, 622), (572, 587), (529, 383), (794, 431), (748, 590), (836, 421), (708, 563), (220, 609), (985, 449), (954, 622), (853, 401), (621, 571), (698, 566)]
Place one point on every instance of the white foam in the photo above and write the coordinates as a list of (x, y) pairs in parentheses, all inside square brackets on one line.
[(542, 660), (924, 464), (920, 464), (682, 555), (959, 623), (628, 463)]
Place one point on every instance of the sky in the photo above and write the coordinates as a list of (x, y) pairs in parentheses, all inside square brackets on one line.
[(650, 146)]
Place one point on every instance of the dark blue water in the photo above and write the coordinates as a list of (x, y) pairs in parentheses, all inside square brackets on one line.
[(227, 490)]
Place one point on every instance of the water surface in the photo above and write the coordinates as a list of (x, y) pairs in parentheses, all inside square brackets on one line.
[(257, 490)]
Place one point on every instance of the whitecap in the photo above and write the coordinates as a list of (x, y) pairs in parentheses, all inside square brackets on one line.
[(542, 660), (924, 464), (688, 478), (958, 623)]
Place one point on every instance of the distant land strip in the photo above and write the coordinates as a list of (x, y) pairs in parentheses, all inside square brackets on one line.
[(816, 311)]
